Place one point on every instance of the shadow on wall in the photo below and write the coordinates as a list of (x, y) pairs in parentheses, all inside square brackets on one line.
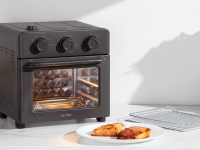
[(62, 10), (171, 73)]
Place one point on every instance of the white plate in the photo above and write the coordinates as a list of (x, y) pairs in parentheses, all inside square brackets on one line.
[(86, 131)]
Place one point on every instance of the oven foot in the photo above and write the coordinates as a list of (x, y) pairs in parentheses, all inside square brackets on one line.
[(101, 119), (19, 125), (2, 115)]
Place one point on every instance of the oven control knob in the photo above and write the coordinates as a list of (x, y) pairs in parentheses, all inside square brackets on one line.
[(31, 28), (40, 45), (66, 44), (90, 43)]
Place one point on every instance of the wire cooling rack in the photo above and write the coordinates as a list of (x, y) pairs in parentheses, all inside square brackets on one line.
[(170, 117)]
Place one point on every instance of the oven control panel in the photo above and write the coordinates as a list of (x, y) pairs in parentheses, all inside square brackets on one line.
[(64, 43)]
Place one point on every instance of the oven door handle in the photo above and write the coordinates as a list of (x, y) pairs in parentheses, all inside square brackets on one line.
[(65, 63)]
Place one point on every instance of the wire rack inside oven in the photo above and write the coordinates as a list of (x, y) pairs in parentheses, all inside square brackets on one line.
[(170, 117)]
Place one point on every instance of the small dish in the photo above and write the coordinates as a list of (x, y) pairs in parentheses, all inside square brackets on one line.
[(86, 131)]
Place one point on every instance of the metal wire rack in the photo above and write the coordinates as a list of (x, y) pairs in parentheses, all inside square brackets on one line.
[(170, 117)]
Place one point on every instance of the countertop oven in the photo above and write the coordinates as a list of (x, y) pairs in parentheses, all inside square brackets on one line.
[(54, 71)]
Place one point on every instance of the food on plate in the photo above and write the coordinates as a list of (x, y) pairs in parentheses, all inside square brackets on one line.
[(134, 133), (109, 130)]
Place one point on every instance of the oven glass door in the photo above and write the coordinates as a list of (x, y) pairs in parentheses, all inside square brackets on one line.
[(65, 88)]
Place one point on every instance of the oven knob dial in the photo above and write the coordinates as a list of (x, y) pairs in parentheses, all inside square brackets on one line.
[(40, 45), (90, 43), (31, 28), (66, 44)]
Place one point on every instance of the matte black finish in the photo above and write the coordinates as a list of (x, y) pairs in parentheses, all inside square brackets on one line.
[(19, 125), (90, 43), (66, 44), (2, 115), (53, 32), (19, 56), (40, 45), (101, 119), (31, 28), (65, 63)]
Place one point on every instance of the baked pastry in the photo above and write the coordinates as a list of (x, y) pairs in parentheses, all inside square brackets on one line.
[(109, 130), (134, 133)]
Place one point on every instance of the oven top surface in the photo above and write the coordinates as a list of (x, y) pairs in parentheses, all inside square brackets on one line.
[(56, 25)]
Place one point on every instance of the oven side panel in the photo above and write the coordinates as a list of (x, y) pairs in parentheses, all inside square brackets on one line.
[(8, 71)]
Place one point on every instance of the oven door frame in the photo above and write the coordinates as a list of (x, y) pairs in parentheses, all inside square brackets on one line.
[(26, 66)]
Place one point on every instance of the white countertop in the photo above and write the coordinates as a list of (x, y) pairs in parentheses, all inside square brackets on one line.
[(62, 134)]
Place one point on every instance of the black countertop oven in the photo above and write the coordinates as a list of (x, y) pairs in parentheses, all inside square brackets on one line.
[(54, 71)]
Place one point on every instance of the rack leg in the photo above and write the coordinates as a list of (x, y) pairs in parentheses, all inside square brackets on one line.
[(19, 125), (2, 115), (101, 119)]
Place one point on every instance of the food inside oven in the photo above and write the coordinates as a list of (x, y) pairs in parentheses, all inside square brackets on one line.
[(65, 88)]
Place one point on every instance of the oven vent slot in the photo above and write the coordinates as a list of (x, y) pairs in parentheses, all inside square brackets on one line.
[(0, 87), (1, 101), (2, 48), (9, 55), (13, 77)]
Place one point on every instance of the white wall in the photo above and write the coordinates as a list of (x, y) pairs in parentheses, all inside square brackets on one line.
[(155, 44)]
